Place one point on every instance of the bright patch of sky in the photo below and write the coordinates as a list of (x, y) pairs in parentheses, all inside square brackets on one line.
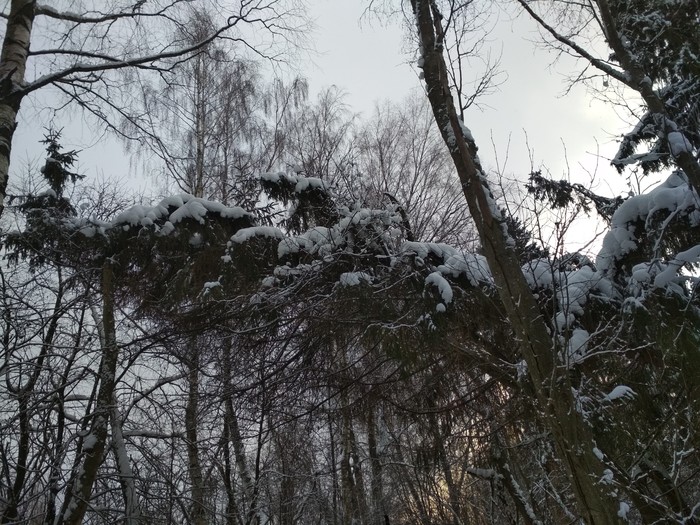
[(530, 122), (369, 60)]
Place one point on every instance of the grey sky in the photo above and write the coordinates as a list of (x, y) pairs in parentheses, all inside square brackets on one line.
[(369, 60)]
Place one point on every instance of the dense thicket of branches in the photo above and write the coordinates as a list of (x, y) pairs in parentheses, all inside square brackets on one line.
[(330, 326)]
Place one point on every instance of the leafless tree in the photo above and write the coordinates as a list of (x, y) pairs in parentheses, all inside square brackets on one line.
[(78, 52), (402, 160)]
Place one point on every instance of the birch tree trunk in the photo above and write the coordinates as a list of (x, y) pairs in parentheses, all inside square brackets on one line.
[(13, 63), (550, 382)]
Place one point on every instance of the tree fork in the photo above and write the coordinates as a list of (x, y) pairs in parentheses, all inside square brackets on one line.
[(570, 433)]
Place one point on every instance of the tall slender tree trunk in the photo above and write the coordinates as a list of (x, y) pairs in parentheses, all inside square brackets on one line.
[(379, 512), (132, 513), (92, 453), (551, 383), (200, 129), (232, 514), (355, 509), (194, 466), (13, 64)]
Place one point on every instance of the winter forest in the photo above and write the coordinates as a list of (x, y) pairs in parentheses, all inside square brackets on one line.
[(316, 318)]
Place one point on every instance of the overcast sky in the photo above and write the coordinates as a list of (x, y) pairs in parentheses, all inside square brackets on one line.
[(569, 135), (369, 60)]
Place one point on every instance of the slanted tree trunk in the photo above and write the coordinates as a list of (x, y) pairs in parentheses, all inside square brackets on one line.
[(13, 63), (232, 514), (234, 439), (551, 383)]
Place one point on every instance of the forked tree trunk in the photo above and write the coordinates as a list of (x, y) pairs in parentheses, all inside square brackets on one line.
[(13, 63), (551, 384)]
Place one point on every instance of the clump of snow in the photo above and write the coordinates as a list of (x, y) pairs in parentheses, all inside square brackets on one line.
[(484, 473), (196, 240), (620, 392), (245, 234), (354, 278), (607, 477), (673, 195), (301, 183), (319, 240), (209, 286), (304, 183), (572, 287), (577, 346), (455, 263), (444, 288), (691, 256), (643, 272), (185, 207), (423, 249), (376, 226), (563, 320), (473, 266), (286, 271), (598, 453), (88, 231), (191, 209), (269, 282), (678, 144), (272, 177), (48, 192), (539, 273), (624, 510)]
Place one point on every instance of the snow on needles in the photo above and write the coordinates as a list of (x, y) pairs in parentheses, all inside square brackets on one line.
[(301, 183), (455, 263), (245, 234), (354, 278), (673, 195), (171, 210)]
